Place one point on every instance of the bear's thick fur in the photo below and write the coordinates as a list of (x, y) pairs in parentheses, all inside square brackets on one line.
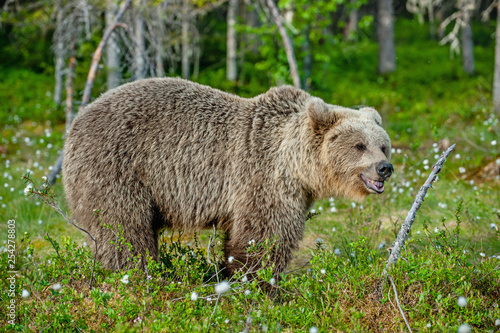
[(169, 153)]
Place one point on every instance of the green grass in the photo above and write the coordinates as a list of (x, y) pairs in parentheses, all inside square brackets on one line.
[(429, 100)]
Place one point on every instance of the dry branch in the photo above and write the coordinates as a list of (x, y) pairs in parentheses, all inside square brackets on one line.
[(410, 218), (97, 55), (278, 20)]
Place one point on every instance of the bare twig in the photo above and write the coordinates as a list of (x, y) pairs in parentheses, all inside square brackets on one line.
[(97, 55), (397, 302), (278, 20), (410, 218)]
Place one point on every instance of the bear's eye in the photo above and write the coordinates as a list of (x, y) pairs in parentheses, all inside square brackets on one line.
[(360, 147), (384, 149)]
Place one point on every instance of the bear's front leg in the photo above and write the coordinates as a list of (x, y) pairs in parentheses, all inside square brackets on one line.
[(265, 236)]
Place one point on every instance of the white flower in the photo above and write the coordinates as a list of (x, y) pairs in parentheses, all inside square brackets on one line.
[(436, 230), (493, 226), (149, 277), (226, 321), (464, 328), (353, 204), (428, 325), (25, 293), (44, 178), (244, 279), (494, 142), (457, 156), (461, 170), (497, 322), (28, 189), (381, 245), (194, 296), (247, 292), (426, 162), (222, 287), (313, 211), (462, 302), (313, 330), (319, 240), (333, 209), (334, 229), (230, 259), (272, 281), (137, 320), (251, 242), (398, 151), (320, 208), (40, 222), (125, 279), (337, 252), (482, 254), (56, 287), (323, 271)]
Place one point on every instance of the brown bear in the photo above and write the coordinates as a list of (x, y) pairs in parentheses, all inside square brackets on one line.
[(170, 153)]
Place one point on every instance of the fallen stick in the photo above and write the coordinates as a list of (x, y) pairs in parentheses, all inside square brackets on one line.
[(410, 218), (406, 227)]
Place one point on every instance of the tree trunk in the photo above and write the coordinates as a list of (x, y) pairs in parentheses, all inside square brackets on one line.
[(160, 70), (307, 60), (385, 36), (140, 47), (231, 61), (278, 20), (496, 79), (70, 77), (112, 49), (467, 46), (59, 51), (352, 23), (185, 39)]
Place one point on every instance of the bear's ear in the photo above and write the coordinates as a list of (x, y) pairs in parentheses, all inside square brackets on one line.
[(372, 113), (321, 117)]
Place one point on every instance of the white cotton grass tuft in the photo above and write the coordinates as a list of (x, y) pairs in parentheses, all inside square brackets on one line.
[(25, 293), (462, 302), (313, 330), (124, 279), (247, 292), (194, 296), (337, 252), (244, 279), (323, 271), (222, 287), (230, 259), (56, 287), (497, 322), (464, 328), (272, 281)]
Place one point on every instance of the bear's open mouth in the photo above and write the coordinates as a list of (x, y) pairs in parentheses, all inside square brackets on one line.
[(377, 186)]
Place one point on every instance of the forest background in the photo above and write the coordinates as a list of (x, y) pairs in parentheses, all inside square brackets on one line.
[(431, 68)]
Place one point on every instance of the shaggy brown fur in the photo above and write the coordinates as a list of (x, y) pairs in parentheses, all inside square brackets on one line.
[(169, 153)]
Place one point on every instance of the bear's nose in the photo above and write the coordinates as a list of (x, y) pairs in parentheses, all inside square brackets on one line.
[(385, 169)]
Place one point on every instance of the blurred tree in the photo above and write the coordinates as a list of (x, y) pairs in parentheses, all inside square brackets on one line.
[(232, 69), (351, 27), (140, 41), (59, 58), (385, 37), (113, 66)]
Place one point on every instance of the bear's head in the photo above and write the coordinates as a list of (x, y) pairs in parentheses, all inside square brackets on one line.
[(353, 149)]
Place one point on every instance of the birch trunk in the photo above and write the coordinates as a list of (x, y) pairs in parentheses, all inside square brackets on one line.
[(467, 47), (112, 49), (352, 23), (385, 37), (59, 65), (140, 47), (231, 61), (496, 78), (185, 39)]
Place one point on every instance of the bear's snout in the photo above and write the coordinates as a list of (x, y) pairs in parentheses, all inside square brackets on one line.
[(385, 169)]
